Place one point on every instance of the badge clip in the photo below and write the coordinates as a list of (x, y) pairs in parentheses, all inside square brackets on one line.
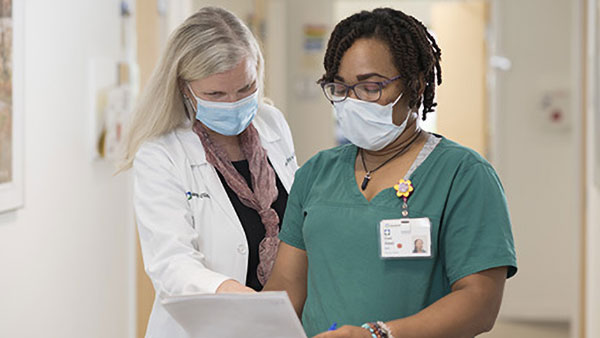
[(404, 189)]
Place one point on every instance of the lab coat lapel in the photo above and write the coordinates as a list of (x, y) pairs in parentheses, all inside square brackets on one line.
[(210, 179), (270, 141)]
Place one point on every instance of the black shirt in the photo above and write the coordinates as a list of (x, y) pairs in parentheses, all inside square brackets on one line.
[(253, 226)]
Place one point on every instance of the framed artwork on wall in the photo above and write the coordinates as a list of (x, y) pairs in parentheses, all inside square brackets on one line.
[(11, 104)]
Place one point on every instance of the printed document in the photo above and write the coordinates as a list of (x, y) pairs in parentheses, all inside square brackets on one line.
[(251, 315)]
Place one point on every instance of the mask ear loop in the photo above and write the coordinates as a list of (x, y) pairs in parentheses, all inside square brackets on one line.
[(191, 92), (409, 111), (398, 99), (189, 110), (187, 104)]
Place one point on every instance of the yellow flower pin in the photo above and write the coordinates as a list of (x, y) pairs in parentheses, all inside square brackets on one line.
[(404, 188)]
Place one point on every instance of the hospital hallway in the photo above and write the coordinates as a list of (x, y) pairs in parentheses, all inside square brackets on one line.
[(521, 87)]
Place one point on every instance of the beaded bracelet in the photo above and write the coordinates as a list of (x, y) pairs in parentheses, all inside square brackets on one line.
[(371, 330), (378, 329), (387, 332)]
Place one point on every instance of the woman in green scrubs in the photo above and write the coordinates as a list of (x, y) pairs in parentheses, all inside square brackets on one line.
[(356, 211)]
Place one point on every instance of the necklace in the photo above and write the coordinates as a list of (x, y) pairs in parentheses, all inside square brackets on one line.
[(367, 178)]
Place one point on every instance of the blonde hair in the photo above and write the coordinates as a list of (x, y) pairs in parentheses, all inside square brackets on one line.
[(211, 41)]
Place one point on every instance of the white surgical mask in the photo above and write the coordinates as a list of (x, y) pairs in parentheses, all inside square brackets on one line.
[(368, 125)]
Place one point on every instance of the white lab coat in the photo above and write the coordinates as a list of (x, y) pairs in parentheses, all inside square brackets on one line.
[(192, 246)]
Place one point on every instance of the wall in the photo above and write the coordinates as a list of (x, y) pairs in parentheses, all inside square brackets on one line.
[(65, 257), (592, 179), (417, 8), (592, 295), (276, 71), (241, 8), (151, 36), (540, 165), (308, 112), (460, 28)]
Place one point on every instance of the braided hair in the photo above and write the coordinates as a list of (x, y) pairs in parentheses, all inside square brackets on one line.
[(415, 52)]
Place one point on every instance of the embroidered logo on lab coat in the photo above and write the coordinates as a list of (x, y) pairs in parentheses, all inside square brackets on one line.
[(191, 195), (290, 159)]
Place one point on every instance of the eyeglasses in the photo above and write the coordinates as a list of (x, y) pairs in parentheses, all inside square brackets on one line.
[(366, 91)]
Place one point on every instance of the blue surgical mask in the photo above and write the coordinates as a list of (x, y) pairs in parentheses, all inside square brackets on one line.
[(226, 118)]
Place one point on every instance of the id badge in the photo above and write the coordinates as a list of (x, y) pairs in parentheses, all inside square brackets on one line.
[(405, 238)]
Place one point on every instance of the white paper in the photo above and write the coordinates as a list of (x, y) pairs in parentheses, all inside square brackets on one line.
[(264, 314)]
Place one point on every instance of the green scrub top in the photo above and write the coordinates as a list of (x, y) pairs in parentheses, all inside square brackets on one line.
[(348, 282)]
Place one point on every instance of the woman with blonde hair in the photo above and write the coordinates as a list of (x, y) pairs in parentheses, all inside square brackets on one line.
[(212, 165)]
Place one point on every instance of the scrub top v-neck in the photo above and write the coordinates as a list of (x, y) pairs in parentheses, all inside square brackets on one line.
[(348, 282)]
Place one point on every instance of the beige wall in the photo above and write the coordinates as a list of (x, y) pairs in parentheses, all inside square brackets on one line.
[(241, 8), (460, 28), (418, 8), (517, 329), (149, 47)]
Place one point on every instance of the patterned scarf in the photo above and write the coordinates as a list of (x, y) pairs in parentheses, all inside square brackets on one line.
[(262, 195)]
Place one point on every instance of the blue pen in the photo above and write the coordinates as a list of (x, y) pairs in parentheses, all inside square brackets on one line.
[(333, 327)]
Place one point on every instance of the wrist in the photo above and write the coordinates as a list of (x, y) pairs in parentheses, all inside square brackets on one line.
[(367, 333), (371, 330), (386, 329), (378, 330)]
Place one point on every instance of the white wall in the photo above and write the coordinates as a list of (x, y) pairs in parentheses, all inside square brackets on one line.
[(64, 257), (540, 166)]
